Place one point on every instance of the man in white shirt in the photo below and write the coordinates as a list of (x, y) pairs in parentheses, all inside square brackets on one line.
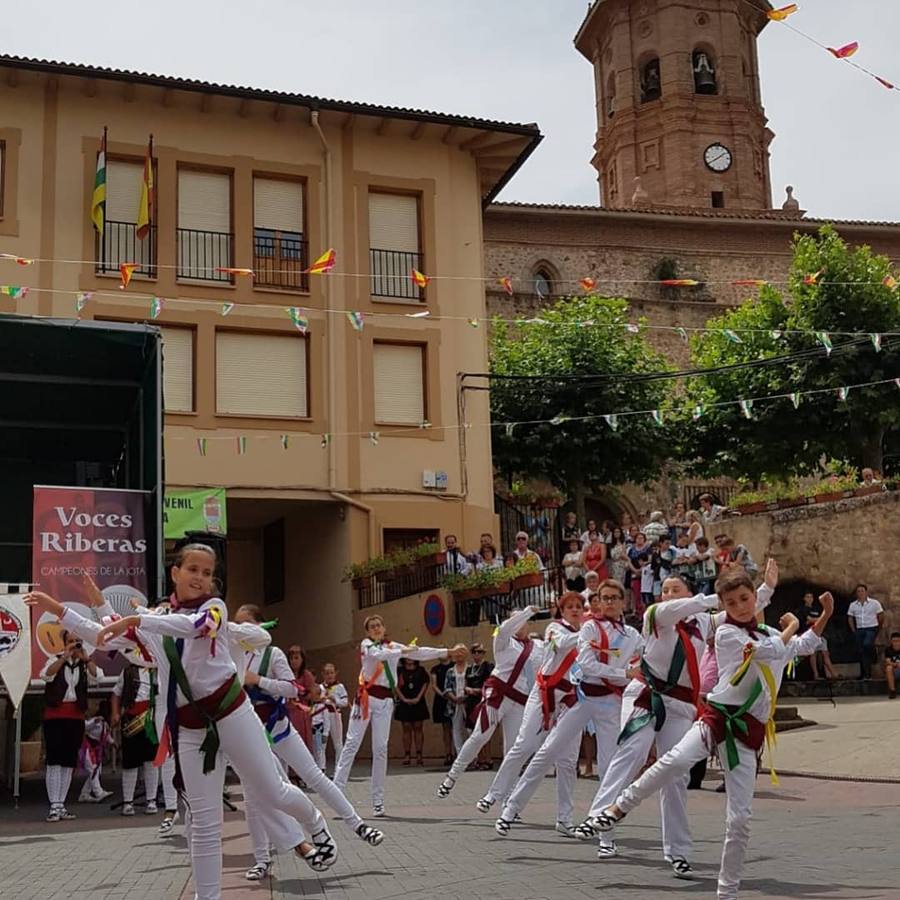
[(865, 616), (709, 510), (457, 564)]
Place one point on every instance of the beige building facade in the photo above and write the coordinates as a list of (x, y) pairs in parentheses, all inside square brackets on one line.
[(323, 437)]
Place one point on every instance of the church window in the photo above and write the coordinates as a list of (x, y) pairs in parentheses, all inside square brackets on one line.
[(543, 283), (611, 95), (651, 85)]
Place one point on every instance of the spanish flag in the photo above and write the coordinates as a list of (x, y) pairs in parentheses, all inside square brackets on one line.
[(779, 15), (325, 263), (418, 279), (98, 199), (148, 196)]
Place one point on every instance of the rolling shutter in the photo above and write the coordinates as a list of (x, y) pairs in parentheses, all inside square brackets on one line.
[(123, 190), (399, 384), (394, 222), (178, 369), (204, 201), (278, 205), (261, 374)]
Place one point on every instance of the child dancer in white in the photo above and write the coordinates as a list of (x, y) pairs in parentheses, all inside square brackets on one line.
[(270, 682), (738, 719), (551, 688), (606, 648), (374, 704), (503, 696), (96, 737), (666, 696), (328, 711), (207, 708)]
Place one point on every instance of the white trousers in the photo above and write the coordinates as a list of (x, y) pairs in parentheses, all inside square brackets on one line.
[(167, 776), (458, 721), (334, 729), (561, 749), (270, 828), (151, 782), (528, 741), (508, 715), (243, 740), (381, 712), (739, 781), (630, 756)]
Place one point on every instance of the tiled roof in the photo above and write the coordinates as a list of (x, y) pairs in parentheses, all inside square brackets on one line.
[(748, 215)]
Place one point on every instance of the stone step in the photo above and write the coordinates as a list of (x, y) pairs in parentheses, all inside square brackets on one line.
[(841, 687)]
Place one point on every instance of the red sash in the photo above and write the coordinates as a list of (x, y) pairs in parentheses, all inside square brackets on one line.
[(137, 708), (548, 685), (495, 689), (189, 717), (685, 695), (592, 689), (715, 719)]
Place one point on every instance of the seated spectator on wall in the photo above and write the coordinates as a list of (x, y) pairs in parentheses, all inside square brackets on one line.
[(734, 555), (706, 569), (892, 664), (574, 567), (656, 527), (710, 510), (865, 615), (810, 610)]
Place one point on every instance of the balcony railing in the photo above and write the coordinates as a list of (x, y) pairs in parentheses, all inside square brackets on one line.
[(391, 272), (120, 244), (279, 258), (202, 253), (496, 608), (393, 586)]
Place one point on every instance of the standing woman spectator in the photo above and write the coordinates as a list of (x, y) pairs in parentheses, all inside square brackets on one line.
[(694, 527), (606, 532), (412, 710), (638, 556), (618, 556), (477, 674), (300, 710), (594, 556), (439, 707), (570, 531), (677, 522), (66, 680), (585, 536), (455, 693), (574, 569)]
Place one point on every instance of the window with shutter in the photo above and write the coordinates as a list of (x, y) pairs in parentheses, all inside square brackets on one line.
[(261, 374), (278, 247), (394, 245), (204, 224), (399, 384), (178, 369), (120, 243)]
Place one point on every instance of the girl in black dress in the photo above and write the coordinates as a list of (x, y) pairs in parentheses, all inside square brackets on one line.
[(412, 710)]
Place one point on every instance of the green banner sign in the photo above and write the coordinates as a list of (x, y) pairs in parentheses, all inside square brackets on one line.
[(199, 510)]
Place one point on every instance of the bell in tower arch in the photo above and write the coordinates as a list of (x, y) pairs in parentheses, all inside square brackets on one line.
[(704, 73)]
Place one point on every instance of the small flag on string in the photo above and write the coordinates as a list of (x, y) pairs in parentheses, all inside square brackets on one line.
[(20, 260), (588, 284), (876, 342), (231, 270), (506, 283), (126, 270), (419, 315), (682, 333), (844, 52), (884, 82), (559, 418), (631, 328), (301, 323), (535, 321), (889, 281), (897, 382), (732, 336), (843, 393), (812, 278), (679, 282), (325, 263), (241, 445), (795, 399), (201, 446), (373, 437), (357, 320), (418, 279), (746, 408), (227, 308), (749, 282), (823, 338), (14, 291), (473, 322), (156, 307), (697, 413), (657, 416), (326, 440), (587, 323), (285, 441), (81, 299), (780, 14), (776, 333), (613, 421), (510, 427)]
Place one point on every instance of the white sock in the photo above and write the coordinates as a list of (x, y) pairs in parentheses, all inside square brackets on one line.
[(129, 783), (151, 781), (65, 782), (52, 778)]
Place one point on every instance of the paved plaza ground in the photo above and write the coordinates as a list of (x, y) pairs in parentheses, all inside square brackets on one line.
[(812, 838)]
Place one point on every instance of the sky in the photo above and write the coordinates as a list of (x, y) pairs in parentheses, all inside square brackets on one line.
[(837, 130)]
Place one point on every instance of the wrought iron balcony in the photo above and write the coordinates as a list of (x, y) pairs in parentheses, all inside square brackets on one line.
[(391, 271), (119, 244), (279, 259), (202, 253)]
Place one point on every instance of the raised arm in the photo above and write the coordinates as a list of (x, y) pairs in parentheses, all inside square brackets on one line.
[(507, 629), (668, 613), (250, 636), (183, 625), (279, 682)]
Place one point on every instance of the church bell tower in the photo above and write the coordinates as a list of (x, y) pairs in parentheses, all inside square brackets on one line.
[(680, 122)]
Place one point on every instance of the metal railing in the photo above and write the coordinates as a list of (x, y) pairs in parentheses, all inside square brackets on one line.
[(202, 253), (391, 274), (496, 607), (279, 260), (405, 583), (120, 244), (542, 523), (722, 494)]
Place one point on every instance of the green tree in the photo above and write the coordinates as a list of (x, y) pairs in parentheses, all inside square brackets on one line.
[(585, 336), (838, 292)]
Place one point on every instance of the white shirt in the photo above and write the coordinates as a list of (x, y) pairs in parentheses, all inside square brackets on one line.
[(457, 562), (507, 648), (646, 579), (372, 656), (865, 614), (72, 675), (626, 641), (279, 678), (529, 554)]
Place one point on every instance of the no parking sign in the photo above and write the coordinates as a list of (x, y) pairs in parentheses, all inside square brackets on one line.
[(434, 614)]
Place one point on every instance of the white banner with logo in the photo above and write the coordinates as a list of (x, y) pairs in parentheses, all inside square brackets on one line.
[(15, 641)]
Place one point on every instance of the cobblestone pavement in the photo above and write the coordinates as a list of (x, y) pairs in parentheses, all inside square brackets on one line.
[(811, 839)]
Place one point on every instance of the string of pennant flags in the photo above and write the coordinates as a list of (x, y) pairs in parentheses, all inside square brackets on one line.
[(659, 416), (844, 52)]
